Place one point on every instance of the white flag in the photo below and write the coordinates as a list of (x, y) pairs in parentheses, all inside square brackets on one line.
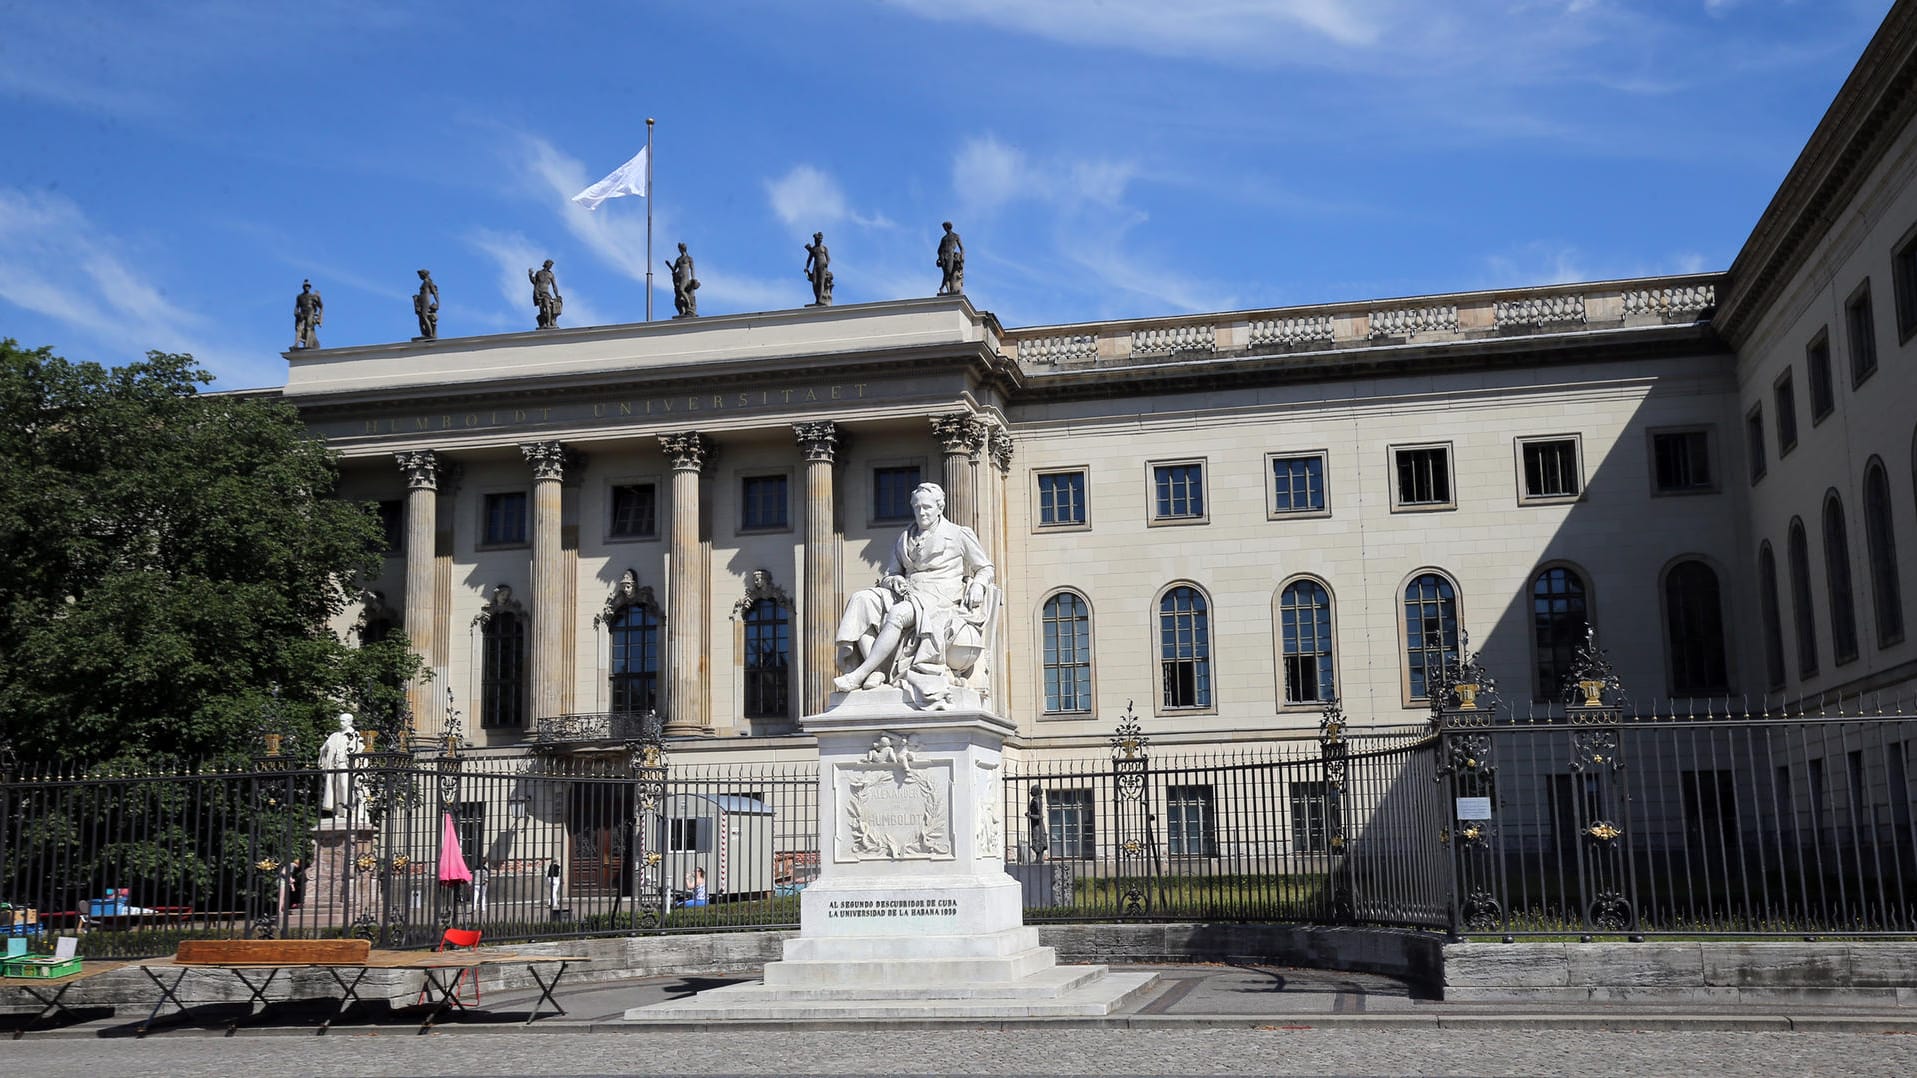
[(627, 179)]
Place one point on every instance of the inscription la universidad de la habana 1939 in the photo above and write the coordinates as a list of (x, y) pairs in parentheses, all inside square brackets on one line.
[(893, 907)]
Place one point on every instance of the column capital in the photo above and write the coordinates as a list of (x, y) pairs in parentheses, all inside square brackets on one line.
[(961, 433), (550, 460), (818, 441), (688, 450), (999, 445), (421, 467)]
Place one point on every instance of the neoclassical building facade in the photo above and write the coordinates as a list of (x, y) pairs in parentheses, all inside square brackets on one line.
[(1222, 521)]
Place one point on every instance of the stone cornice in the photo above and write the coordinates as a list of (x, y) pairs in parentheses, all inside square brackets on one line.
[(1376, 361), (1873, 107)]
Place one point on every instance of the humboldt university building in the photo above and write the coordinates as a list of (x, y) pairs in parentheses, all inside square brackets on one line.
[(1221, 522)]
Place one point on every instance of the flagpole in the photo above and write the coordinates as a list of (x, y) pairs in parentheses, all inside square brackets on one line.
[(648, 218)]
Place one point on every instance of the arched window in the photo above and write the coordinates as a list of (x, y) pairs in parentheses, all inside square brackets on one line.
[(1067, 622), (502, 676), (1304, 616), (1184, 648), (1773, 622), (634, 634), (1843, 602), (1880, 542), (1430, 630), (1559, 615), (1694, 630), (768, 660), (1803, 620)]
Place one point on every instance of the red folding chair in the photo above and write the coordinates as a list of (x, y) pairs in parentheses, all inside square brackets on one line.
[(456, 939)]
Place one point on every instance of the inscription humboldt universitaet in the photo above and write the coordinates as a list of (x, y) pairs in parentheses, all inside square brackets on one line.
[(656, 407)]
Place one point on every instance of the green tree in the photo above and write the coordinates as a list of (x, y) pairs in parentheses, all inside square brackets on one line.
[(172, 560)]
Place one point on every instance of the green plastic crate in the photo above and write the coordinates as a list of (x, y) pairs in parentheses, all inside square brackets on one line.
[(42, 968)]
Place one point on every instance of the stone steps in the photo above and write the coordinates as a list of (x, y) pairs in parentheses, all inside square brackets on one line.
[(1098, 996)]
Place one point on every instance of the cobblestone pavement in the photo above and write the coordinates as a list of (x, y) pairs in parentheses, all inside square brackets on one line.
[(1053, 1053), (1196, 1020)]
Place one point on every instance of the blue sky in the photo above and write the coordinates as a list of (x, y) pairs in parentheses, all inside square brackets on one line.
[(174, 170)]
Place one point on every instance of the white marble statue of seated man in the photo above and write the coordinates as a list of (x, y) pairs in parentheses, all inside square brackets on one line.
[(923, 626)]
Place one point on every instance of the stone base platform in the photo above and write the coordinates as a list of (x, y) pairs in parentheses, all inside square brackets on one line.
[(1058, 992)]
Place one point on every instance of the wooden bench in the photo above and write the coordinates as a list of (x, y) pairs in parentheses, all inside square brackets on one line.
[(336, 957)]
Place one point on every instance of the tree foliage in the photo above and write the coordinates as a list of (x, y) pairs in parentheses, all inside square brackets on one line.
[(172, 560)]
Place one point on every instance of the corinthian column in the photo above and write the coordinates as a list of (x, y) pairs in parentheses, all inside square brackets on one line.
[(422, 524), (959, 437), (817, 443), (686, 710), (549, 613)]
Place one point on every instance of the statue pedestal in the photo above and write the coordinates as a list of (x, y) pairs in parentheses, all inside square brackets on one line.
[(332, 899), (913, 914)]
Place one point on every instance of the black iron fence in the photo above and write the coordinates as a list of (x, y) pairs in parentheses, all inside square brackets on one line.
[(1589, 820), (517, 846)]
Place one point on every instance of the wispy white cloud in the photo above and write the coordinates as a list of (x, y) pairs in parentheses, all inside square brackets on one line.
[(807, 197), (56, 262)]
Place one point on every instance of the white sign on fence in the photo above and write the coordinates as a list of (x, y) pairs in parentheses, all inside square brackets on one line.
[(1474, 808)]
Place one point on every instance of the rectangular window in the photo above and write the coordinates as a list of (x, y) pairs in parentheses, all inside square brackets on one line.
[(505, 518), (762, 503), (1817, 372), (1784, 395), (1552, 471), (892, 492), (1424, 477), (1903, 274), (689, 834), (1861, 330), (392, 526), (1068, 819), (635, 511), (1315, 817), (1681, 462), (1754, 441), (1061, 499), (1297, 484), (1192, 828), (1178, 491)]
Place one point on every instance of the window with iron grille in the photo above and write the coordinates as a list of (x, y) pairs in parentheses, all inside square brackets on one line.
[(1184, 649), (768, 660), (1886, 594), (762, 503), (1803, 623), (1431, 631), (634, 633), (1843, 602), (1551, 468), (1069, 825), (1297, 484), (1068, 653), (392, 527), (1784, 396), (892, 492), (1860, 324), (1423, 477), (635, 511), (1681, 462), (1304, 615), (1178, 491), (1315, 816), (502, 678), (1817, 374), (1558, 620), (505, 523), (1694, 630), (1903, 272), (1191, 826), (1061, 499)]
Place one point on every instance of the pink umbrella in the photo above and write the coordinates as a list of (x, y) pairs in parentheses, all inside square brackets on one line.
[(452, 862)]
